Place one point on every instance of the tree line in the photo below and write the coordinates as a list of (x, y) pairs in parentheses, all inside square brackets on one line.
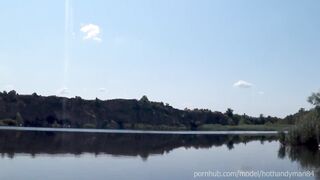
[(52, 111)]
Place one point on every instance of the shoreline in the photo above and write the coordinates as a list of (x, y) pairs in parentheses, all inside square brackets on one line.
[(132, 131)]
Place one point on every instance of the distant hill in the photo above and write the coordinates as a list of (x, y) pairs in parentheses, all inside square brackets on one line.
[(52, 111)]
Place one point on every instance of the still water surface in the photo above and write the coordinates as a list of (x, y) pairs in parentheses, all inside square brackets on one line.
[(110, 155)]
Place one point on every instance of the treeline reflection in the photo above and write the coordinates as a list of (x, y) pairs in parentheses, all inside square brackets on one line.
[(308, 158), (144, 145)]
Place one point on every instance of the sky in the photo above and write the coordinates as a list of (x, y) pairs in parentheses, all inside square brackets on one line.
[(256, 57)]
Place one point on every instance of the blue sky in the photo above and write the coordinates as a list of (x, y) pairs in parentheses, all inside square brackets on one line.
[(252, 56)]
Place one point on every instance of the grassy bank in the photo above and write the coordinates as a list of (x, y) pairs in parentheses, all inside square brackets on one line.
[(245, 127), (209, 127), (204, 127)]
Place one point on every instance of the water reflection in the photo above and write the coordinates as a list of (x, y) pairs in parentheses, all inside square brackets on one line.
[(308, 158), (166, 156), (143, 145)]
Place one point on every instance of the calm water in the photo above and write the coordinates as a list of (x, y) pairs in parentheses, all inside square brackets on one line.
[(89, 155)]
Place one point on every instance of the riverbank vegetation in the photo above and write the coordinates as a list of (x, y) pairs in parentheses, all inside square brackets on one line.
[(52, 111), (246, 127), (306, 130)]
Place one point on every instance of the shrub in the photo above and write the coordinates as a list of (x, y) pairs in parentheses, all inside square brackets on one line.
[(306, 130), (89, 126), (8, 122)]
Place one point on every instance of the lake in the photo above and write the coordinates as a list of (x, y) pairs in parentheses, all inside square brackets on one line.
[(56, 154)]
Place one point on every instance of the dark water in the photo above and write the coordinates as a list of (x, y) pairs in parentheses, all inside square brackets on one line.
[(88, 155)]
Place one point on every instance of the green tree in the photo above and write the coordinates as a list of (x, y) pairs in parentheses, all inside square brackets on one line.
[(144, 98), (229, 113), (302, 110), (314, 99), (97, 103), (12, 93)]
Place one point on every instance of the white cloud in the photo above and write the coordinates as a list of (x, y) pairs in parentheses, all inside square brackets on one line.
[(91, 31), (261, 93), (102, 90), (63, 91), (242, 84)]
